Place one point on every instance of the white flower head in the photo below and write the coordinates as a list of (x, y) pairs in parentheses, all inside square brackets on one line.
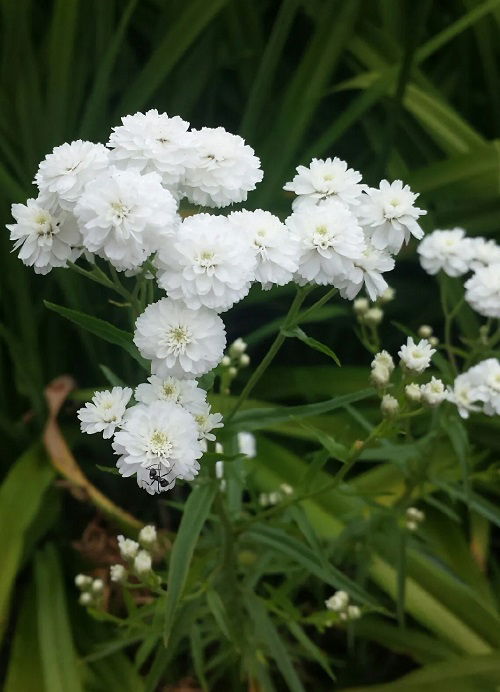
[(484, 252), (207, 264), (159, 443), (223, 170), (127, 547), (383, 358), (104, 413), (83, 581), (179, 341), (275, 247), (482, 291), (389, 405), (330, 242), (338, 601), (206, 422), (187, 393), (368, 270), (433, 392), (153, 141), (449, 251), (478, 389), (142, 562), (466, 394), (45, 235), (389, 214), (325, 180), (416, 357), (125, 216), (64, 173)]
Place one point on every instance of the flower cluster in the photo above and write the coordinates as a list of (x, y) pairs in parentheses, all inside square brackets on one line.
[(91, 590), (478, 389), (121, 203), (339, 603), (452, 252)]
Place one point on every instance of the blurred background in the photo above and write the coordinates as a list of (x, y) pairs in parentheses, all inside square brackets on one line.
[(399, 89)]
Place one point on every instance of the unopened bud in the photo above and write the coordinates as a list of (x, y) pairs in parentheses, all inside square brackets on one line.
[(97, 585), (244, 360), (434, 341), (82, 581), (232, 371), (387, 295), (425, 331), (147, 536), (380, 376), (389, 406), (85, 599), (361, 305), (237, 347), (117, 573), (353, 612), (142, 562), (373, 317), (413, 392), (226, 361)]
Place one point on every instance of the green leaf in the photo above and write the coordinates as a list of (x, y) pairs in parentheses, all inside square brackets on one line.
[(61, 671), (195, 513), (21, 496), (259, 419), (102, 329), (268, 634), (298, 333), (335, 449)]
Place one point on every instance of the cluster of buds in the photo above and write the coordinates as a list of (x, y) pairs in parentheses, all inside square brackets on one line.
[(235, 359), (413, 518), (382, 367), (91, 590), (430, 394), (372, 315), (339, 603), (425, 331), (275, 497), (136, 555)]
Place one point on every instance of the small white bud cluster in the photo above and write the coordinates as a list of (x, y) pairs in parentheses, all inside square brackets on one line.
[(372, 315), (430, 394), (414, 517), (137, 555), (235, 359), (91, 590), (339, 603), (276, 496), (425, 331), (382, 367)]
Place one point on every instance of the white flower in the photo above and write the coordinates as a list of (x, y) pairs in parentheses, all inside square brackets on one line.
[(64, 173), (223, 170), (153, 141), (183, 392), (179, 341), (127, 547), (339, 601), (390, 214), (247, 444), (125, 216), (466, 392), (105, 411), (389, 405), (147, 535), (416, 357), (330, 241), (449, 251), (433, 392), (324, 180), (275, 247), (380, 375), (368, 270), (142, 562), (206, 422), (207, 263), (482, 291), (45, 235), (159, 443), (484, 252), (117, 573)]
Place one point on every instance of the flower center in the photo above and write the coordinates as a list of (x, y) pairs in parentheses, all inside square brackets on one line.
[(206, 260), (177, 339), (417, 354), (45, 225), (120, 210), (322, 237), (160, 445), (170, 390)]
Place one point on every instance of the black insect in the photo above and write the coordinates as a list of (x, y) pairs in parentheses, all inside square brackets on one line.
[(156, 477)]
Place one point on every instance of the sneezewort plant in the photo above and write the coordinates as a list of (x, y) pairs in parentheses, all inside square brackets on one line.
[(122, 216)]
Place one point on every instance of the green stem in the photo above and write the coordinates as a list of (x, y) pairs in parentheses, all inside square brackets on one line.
[(273, 350), (318, 304), (448, 322)]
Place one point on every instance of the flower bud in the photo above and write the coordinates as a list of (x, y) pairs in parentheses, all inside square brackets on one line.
[(226, 361), (434, 341), (373, 317), (128, 548), (387, 295), (383, 358), (147, 536), (82, 581), (413, 392), (338, 602), (353, 612), (361, 305), (244, 360), (380, 376), (117, 573), (425, 331), (142, 562), (232, 371), (389, 406), (434, 392), (85, 599), (97, 585), (237, 347)]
